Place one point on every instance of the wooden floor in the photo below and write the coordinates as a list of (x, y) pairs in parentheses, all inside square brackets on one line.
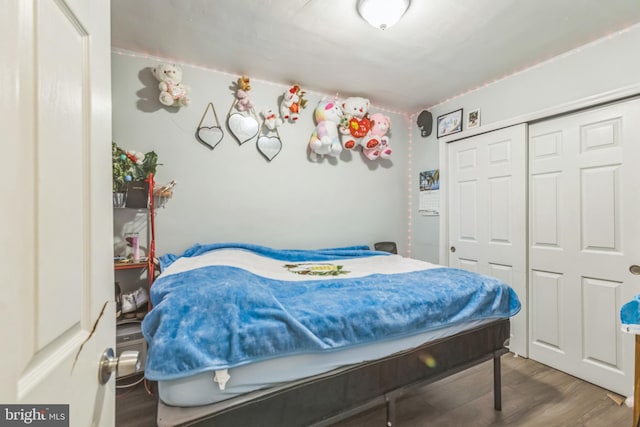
[(533, 395)]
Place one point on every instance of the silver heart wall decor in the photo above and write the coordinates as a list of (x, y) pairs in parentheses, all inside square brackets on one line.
[(243, 128), (210, 135), (269, 146)]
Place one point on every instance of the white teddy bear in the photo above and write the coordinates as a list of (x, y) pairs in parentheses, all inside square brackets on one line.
[(271, 119), (292, 102), (355, 124), (172, 92)]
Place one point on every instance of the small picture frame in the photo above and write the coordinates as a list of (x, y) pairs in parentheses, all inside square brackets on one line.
[(450, 123), (473, 118)]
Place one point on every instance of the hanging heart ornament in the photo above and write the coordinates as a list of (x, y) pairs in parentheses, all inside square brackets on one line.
[(269, 146), (210, 135), (243, 128)]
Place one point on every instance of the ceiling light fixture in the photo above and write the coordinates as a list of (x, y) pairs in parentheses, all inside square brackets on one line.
[(382, 13)]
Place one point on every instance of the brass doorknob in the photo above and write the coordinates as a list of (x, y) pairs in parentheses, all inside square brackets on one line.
[(634, 269)]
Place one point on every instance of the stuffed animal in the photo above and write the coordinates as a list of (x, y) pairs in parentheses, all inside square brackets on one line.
[(292, 102), (242, 94), (244, 83), (244, 101), (271, 119), (355, 124), (325, 140), (376, 143), (172, 92)]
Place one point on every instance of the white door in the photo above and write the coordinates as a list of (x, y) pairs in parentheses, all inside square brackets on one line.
[(56, 302), (584, 236), (487, 213)]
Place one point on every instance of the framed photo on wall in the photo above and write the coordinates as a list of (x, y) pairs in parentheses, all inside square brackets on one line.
[(450, 123), (473, 119)]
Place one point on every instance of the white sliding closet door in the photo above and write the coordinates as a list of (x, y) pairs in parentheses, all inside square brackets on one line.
[(584, 235), (487, 213)]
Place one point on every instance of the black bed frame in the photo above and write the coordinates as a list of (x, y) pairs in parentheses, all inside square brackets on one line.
[(327, 398)]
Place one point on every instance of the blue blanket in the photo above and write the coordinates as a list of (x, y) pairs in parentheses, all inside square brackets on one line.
[(292, 255), (218, 317)]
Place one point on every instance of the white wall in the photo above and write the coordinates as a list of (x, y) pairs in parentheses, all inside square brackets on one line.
[(233, 194), (601, 67)]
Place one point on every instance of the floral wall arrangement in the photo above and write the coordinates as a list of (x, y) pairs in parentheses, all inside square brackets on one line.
[(129, 166)]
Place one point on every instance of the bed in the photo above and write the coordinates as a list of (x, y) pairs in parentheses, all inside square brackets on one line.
[(244, 334)]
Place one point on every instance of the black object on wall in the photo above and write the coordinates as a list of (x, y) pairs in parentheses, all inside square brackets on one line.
[(386, 247), (425, 123)]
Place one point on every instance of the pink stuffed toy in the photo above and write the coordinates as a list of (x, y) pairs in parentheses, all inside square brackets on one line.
[(244, 101), (376, 143), (242, 94)]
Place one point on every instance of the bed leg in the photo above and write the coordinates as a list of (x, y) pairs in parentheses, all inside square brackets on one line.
[(390, 399), (497, 383)]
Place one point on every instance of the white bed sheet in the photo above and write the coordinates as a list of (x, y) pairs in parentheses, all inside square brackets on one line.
[(272, 268), (202, 390)]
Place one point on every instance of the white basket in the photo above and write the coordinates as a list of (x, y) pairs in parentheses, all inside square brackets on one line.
[(160, 201)]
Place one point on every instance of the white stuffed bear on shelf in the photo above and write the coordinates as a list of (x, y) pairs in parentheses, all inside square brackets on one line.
[(172, 92), (325, 140)]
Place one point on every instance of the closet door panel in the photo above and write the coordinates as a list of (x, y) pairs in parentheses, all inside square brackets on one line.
[(546, 300), (600, 209), (468, 213), (487, 212), (499, 213), (545, 214), (584, 209), (600, 301)]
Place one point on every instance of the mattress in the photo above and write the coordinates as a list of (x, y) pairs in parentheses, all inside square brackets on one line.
[(201, 389), (229, 319)]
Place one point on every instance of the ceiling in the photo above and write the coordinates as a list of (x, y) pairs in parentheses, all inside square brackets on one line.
[(438, 50)]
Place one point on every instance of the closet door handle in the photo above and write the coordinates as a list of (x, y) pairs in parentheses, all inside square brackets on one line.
[(634, 269), (453, 249)]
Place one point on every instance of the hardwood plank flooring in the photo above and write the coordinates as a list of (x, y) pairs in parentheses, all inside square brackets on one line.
[(135, 407), (533, 395)]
